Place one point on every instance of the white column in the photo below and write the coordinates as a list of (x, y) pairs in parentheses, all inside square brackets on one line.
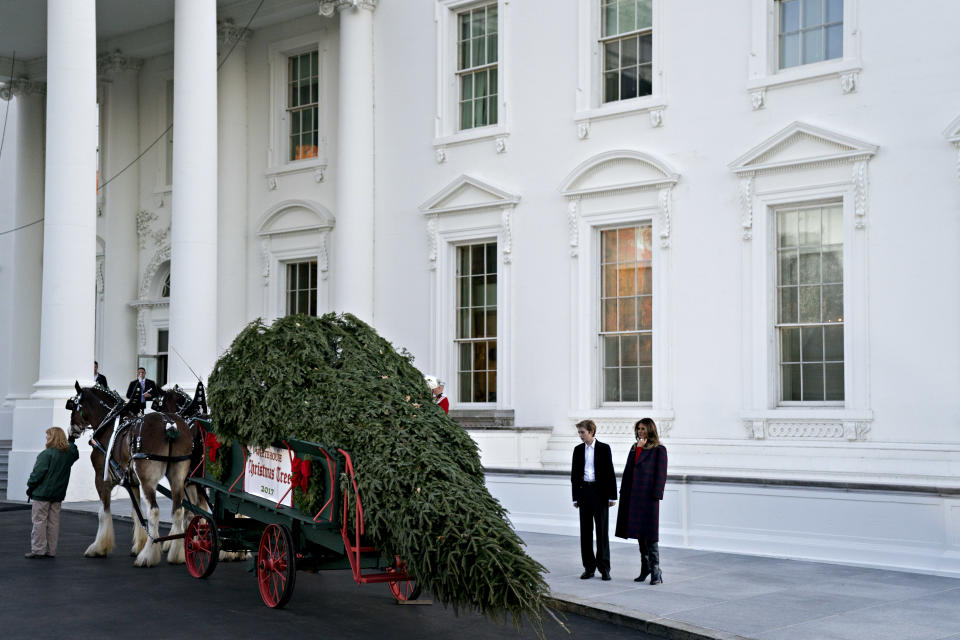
[(193, 247), (119, 223), (232, 189), (70, 210), (353, 237), (24, 261)]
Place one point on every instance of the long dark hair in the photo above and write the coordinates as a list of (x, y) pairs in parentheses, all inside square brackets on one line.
[(653, 438)]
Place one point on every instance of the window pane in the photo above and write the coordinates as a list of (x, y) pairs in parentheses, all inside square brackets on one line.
[(834, 42), (480, 387), (491, 292), (477, 323), (627, 16), (790, 382), (466, 357), (644, 284), (630, 385), (646, 350), (611, 385), (788, 304), (833, 342), (645, 375), (787, 229), (834, 381), (609, 315), (809, 304), (789, 50), (466, 389), (466, 115), (492, 386), (645, 53), (491, 49), (812, 46), (608, 246), (809, 222), (627, 244), (476, 290), (478, 53), (463, 292), (611, 86), (629, 355), (609, 281), (645, 80), (833, 265), (812, 13), (788, 267), (480, 84), (466, 86), (834, 11), (491, 322), (477, 22), (790, 344), (611, 351), (809, 265), (833, 303), (628, 314), (812, 382), (463, 61), (644, 14), (492, 19), (832, 225), (610, 18), (476, 259), (628, 83), (789, 15), (628, 52), (645, 304), (463, 324), (627, 279), (812, 344), (480, 113)]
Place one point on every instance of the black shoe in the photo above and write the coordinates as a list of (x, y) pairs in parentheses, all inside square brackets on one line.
[(586, 575), (605, 576), (33, 556), (653, 552)]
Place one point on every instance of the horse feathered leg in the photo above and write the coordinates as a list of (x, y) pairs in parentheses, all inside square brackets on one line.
[(139, 533), (148, 473), (103, 543), (176, 475)]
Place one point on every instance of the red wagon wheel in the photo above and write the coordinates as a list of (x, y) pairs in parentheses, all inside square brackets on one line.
[(405, 589), (201, 547), (276, 566)]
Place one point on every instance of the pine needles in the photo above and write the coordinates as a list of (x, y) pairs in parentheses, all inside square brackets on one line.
[(334, 381)]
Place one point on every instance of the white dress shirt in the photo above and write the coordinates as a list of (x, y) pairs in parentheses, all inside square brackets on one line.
[(589, 473)]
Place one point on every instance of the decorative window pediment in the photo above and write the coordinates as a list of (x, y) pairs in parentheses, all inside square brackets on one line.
[(800, 145), (467, 193), (616, 171), (293, 216)]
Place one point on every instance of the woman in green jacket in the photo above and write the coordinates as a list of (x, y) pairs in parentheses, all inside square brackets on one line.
[(47, 487)]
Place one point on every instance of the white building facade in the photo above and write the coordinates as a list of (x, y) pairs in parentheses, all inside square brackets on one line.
[(739, 221)]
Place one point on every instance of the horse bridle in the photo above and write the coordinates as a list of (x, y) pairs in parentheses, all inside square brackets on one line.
[(74, 404)]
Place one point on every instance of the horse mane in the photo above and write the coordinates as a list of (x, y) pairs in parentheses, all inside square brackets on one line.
[(106, 393)]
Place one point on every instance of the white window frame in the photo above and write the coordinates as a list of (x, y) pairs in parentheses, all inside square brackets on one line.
[(764, 63), (293, 231), (838, 175), (283, 280), (278, 151), (593, 208), (590, 105), (447, 122), (485, 217)]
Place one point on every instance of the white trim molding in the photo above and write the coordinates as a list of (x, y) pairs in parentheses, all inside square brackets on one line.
[(590, 107), (289, 231), (447, 131), (467, 211), (764, 72), (952, 134), (278, 149), (615, 188), (797, 166)]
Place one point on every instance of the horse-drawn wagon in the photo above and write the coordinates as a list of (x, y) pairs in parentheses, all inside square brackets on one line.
[(251, 509)]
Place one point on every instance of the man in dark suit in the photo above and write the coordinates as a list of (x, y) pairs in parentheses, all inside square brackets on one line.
[(594, 492), (142, 387), (98, 377)]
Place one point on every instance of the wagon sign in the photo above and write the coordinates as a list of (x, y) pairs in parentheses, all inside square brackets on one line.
[(268, 474)]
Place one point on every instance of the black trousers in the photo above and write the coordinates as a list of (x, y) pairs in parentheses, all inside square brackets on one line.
[(594, 514)]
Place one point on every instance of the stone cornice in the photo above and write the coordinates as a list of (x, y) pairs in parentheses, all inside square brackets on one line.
[(22, 87), (229, 34), (327, 8), (109, 64)]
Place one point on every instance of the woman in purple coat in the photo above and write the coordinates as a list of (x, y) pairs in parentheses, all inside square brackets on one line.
[(641, 491)]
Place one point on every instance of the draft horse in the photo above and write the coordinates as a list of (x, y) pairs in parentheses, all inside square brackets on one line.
[(144, 449)]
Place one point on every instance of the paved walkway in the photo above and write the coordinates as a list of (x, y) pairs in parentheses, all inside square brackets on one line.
[(728, 596)]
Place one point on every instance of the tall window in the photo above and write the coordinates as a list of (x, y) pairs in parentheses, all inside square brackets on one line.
[(627, 42), (163, 341), (477, 322), (626, 309), (303, 98), (477, 66), (165, 290), (810, 31), (302, 287), (810, 303)]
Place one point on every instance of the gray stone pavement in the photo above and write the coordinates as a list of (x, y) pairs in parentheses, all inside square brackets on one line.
[(726, 596)]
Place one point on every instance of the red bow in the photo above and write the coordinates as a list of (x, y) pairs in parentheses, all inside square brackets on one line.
[(212, 444), (301, 473)]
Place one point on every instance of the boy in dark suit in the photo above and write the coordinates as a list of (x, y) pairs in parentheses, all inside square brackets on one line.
[(594, 492)]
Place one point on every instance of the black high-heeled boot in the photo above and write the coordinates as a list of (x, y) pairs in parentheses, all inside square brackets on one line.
[(653, 552), (644, 563)]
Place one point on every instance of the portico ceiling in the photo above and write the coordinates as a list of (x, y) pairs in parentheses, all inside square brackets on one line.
[(141, 28)]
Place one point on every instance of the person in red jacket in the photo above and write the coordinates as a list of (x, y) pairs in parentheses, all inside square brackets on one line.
[(436, 386)]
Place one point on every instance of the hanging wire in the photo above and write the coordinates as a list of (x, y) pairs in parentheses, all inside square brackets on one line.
[(152, 144)]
